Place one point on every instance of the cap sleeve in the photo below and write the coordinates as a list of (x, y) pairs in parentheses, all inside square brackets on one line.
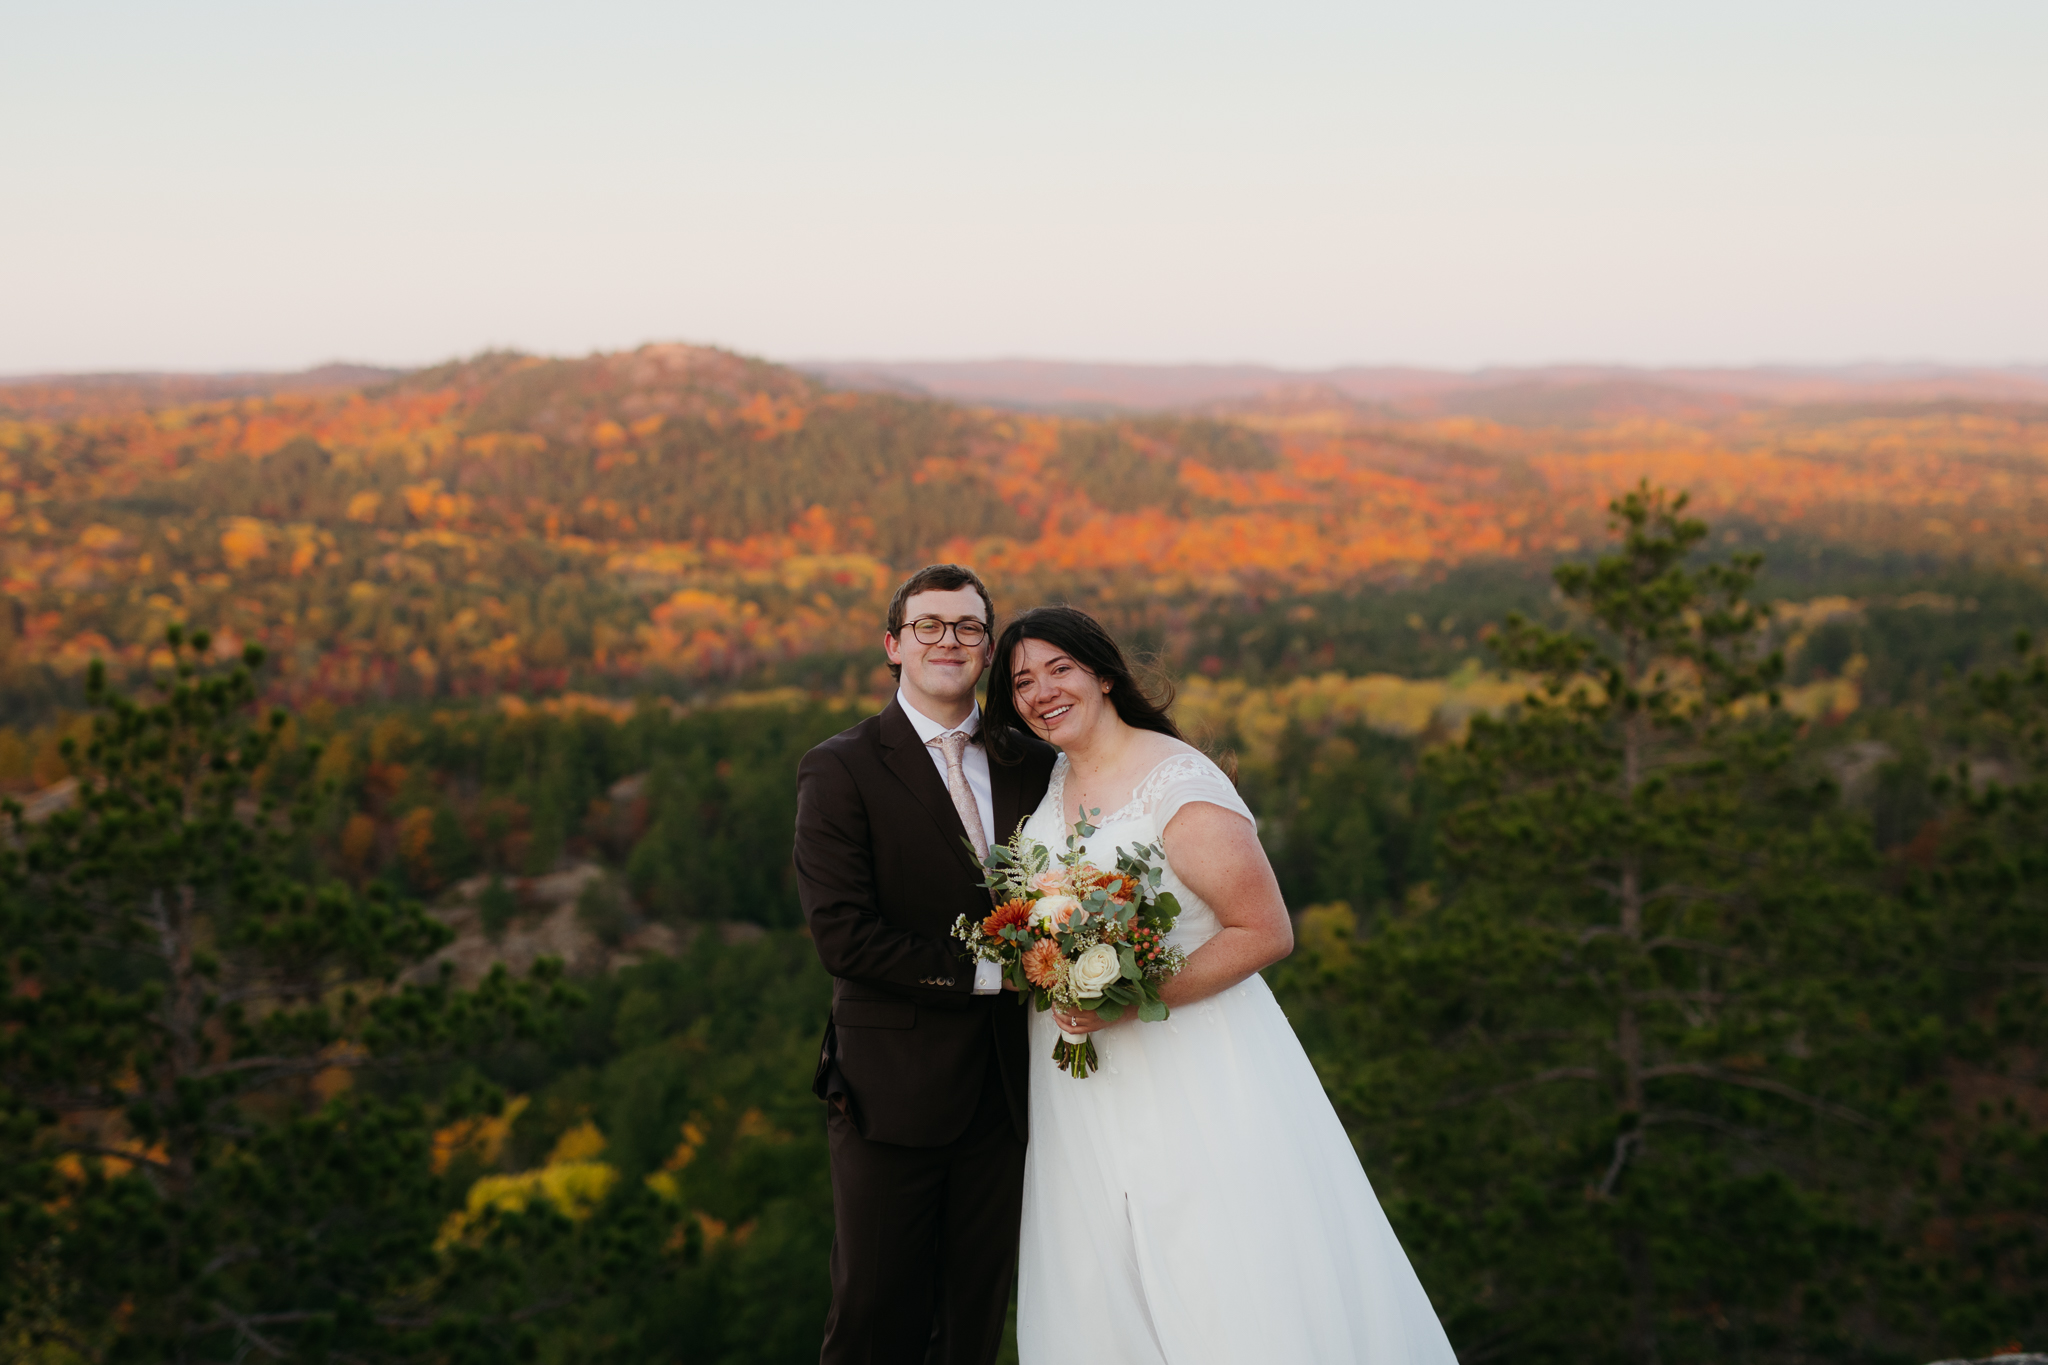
[(1190, 777)]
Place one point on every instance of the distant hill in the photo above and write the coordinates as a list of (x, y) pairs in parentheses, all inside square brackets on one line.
[(683, 517), (71, 395), (1507, 394)]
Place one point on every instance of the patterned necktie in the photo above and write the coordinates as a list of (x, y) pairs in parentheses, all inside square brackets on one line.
[(953, 744)]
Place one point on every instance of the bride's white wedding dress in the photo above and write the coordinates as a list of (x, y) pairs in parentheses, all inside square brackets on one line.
[(1196, 1199)]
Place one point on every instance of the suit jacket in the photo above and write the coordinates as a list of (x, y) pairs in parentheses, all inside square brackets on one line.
[(883, 870)]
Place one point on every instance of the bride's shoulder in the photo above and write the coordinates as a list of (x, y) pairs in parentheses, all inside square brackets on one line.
[(1178, 754), (1174, 763), (1183, 776)]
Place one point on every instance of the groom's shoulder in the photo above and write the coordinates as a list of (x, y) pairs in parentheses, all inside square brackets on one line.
[(853, 744)]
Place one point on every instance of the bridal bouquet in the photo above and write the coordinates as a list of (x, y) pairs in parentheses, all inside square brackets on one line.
[(1076, 936)]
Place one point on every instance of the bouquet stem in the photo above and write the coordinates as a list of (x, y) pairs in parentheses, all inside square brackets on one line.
[(1074, 1053)]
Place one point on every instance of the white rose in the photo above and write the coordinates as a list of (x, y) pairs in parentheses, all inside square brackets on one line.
[(1095, 969), (1052, 912)]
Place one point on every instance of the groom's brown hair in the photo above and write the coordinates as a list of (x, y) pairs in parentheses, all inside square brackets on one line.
[(935, 578)]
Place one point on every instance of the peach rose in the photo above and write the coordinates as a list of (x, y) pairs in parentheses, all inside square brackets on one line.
[(1051, 913)]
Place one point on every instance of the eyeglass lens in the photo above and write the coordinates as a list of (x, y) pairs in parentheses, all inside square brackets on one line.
[(929, 630)]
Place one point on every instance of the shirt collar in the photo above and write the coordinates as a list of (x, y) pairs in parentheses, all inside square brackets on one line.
[(928, 730)]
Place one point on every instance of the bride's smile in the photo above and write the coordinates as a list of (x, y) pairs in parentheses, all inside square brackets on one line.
[(1058, 698)]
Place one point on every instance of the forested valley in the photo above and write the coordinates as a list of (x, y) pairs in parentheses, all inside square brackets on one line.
[(400, 960)]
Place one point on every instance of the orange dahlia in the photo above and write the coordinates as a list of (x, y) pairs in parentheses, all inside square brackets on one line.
[(1043, 965), (1091, 878), (1017, 912)]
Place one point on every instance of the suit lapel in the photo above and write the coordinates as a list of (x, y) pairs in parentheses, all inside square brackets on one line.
[(911, 762)]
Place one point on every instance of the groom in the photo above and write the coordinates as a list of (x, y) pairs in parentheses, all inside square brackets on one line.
[(924, 1060)]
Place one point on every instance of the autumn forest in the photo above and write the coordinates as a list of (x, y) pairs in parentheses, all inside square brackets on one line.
[(400, 960)]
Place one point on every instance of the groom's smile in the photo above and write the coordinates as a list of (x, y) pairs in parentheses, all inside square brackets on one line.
[(939, 673)]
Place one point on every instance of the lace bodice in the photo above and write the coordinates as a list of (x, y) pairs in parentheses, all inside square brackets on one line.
[(1157, 798)]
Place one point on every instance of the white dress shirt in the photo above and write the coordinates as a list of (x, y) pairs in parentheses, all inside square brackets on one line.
[(988, 976)]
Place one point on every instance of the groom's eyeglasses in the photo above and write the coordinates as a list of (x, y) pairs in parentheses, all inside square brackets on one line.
[(929, 630)]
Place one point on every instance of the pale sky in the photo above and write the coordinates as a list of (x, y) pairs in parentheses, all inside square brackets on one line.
[(203, 185)]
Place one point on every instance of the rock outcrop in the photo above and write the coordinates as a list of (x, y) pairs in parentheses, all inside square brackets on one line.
[(547, 923)]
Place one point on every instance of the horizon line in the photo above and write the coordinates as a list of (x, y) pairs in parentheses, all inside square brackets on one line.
[(1836, 367)]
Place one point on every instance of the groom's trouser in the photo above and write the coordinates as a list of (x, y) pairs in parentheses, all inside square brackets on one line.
[(925, 1246)]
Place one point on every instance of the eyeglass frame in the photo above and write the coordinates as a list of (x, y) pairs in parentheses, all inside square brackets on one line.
[(947, 627)]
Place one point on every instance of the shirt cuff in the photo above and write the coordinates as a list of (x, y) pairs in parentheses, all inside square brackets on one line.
[(988, 978)]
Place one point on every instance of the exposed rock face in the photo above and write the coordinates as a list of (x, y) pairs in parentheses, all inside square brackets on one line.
[(41, 805), (547, 925), (1855, 766)]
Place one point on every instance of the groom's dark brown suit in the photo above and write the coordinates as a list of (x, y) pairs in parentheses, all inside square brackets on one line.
[(926, 1081)]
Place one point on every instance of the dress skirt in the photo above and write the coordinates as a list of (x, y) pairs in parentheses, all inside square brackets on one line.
[(1197, 1202)]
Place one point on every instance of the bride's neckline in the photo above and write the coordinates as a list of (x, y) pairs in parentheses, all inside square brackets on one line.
[(1130, 803)]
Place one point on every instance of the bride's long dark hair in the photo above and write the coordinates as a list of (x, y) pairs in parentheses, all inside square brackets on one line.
[(1081, 638)]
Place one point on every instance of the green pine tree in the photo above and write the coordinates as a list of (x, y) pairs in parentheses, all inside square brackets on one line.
[(1598, 1079), (1969, 1011), (184, 1000)]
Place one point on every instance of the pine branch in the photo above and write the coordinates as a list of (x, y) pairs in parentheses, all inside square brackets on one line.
[(1694, 997), (284, 1066), (1764, 1083), (1623, 1146), (1685, 892), (1666, 1116), (231, 1256), (1694, 945), (278, 990), (246, 1329), (534, 1310), (74, 1102), (531, 1311), (1561, 1073)]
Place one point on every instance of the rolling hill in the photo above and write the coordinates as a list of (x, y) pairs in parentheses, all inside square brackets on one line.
[(1055, 385), (687, 518)]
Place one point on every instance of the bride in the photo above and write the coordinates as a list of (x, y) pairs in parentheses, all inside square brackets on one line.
[(1196, 1199)]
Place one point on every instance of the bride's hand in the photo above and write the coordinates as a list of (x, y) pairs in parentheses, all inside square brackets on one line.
[(1078, 1022)]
